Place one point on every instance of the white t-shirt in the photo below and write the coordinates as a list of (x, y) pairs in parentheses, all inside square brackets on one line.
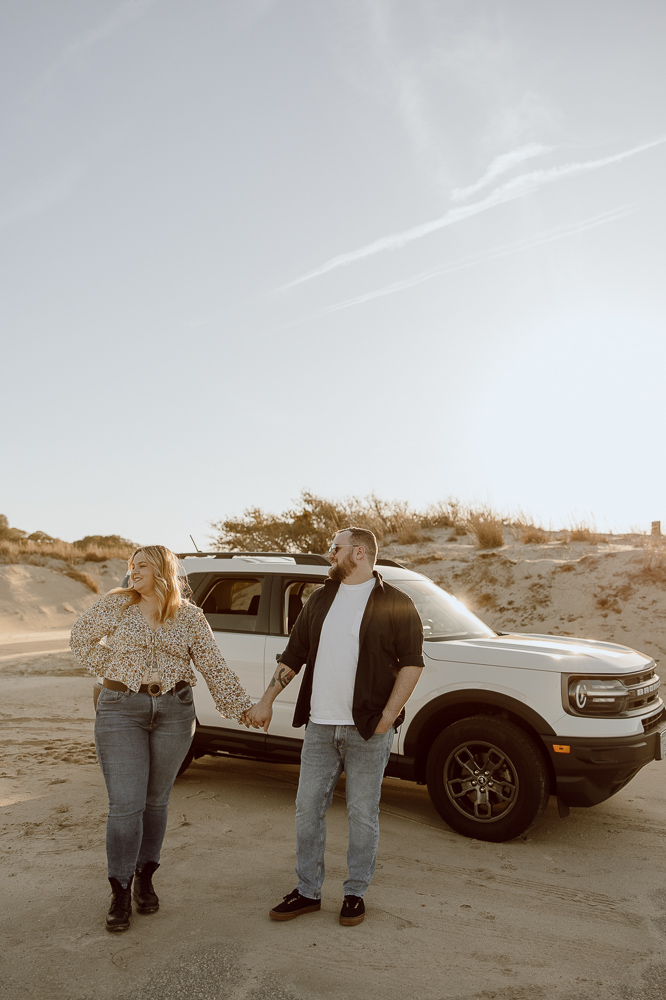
[(337, 656)]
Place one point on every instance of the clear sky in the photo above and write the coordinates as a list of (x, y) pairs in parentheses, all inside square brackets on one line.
[(251, 247)]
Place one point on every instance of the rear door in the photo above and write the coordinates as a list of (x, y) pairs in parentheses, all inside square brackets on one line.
[(290, 592), (237, 607)]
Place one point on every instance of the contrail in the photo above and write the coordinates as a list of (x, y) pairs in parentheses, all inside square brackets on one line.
[(499, 166), (516, 188), (557, 233)]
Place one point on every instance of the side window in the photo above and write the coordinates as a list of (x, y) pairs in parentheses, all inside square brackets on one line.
[(295, 595), (232, 604)]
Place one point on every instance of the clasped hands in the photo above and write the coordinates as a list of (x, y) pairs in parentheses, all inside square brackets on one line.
[(257, 717)]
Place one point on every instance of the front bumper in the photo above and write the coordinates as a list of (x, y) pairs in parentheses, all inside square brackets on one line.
[(592, 770)]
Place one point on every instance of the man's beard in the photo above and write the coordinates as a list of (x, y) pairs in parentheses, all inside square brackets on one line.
[(339, 571)]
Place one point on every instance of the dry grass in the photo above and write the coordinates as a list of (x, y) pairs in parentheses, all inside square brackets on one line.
[(38, 553), (654, 551), (580, 531), (411, 536), (86, 578), (445, 514), (653, 569), (487, 527), (530, 534)]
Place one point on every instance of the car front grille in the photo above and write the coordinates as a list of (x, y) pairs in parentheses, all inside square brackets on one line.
[(643, 690)]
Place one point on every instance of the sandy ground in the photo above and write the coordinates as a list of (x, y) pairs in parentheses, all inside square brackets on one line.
[(576, 909)]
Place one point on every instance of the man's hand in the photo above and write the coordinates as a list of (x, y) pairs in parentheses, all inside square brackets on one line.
[(383, 725), (405, 683), (259, 716)]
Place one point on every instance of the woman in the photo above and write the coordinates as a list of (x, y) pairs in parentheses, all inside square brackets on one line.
[(144, 720)]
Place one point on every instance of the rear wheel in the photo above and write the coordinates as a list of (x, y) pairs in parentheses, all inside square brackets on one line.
[(487, 778)]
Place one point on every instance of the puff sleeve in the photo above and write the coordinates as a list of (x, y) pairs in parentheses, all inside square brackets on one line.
[(90, 629), (230, 698)]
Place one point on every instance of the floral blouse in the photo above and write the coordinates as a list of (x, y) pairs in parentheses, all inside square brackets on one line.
[(130, 644)]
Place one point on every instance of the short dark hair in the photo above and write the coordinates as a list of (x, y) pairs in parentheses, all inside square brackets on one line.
[(364, 537)]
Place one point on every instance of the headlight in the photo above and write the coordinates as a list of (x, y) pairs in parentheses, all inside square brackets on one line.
[(594, 696)]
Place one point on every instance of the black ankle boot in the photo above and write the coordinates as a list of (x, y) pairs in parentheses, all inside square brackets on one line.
[(118, 917), (145, 896)]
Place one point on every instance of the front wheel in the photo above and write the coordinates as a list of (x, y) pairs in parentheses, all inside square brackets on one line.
[(487, 779)]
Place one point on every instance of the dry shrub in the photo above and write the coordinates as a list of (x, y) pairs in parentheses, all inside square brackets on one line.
[(653, 570), (528, 532), (311, 524), (580, 531), (565, 568), (37, 553), (411, 535), (86, 578), (487, 527), (654, 551), (651, 575), (531, 535), (445, 514)]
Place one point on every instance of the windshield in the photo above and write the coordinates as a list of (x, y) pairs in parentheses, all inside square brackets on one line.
[(443, 616)]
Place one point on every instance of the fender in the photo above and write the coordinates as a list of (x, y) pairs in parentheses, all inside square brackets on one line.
[(475, 699)]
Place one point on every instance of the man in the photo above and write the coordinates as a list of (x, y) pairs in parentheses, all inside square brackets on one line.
[(361, 641)]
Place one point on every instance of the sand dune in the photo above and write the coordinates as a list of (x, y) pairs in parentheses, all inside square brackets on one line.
[(40, 598)]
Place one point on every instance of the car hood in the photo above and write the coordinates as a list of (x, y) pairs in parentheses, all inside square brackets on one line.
[(542, 652)]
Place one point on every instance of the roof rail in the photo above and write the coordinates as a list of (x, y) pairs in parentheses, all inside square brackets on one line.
[(300, 558)]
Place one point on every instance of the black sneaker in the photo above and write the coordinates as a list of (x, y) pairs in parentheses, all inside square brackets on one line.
[(293, 905), (353, 911)]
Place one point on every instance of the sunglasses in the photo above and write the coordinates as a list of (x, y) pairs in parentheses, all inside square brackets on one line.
[(334, 548)]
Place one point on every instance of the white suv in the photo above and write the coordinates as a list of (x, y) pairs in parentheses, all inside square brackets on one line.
[(497, 723)]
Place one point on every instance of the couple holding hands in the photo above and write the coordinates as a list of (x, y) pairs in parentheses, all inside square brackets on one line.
[(361, 642)]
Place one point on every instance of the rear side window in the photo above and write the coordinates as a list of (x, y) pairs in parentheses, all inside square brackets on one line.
[(295, 594), (232, 604)]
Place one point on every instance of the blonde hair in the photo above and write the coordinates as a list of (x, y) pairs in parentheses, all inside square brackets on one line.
[(171, 589)]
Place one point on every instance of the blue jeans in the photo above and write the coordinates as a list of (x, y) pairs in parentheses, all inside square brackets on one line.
[(141, 742), (327, 752)]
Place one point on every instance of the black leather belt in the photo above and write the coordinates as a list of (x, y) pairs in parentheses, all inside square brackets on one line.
[(153, 689)]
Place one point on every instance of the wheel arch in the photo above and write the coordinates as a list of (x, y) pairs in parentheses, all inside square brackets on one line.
[(449, 708)]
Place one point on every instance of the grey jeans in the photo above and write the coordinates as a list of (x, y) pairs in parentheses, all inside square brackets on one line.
[(141, 742), (327, 752)]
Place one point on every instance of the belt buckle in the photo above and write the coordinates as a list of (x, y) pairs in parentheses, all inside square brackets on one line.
[(154, 689)]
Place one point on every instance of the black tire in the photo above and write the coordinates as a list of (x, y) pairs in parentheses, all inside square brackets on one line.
[(187, 760), (487, 778)]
